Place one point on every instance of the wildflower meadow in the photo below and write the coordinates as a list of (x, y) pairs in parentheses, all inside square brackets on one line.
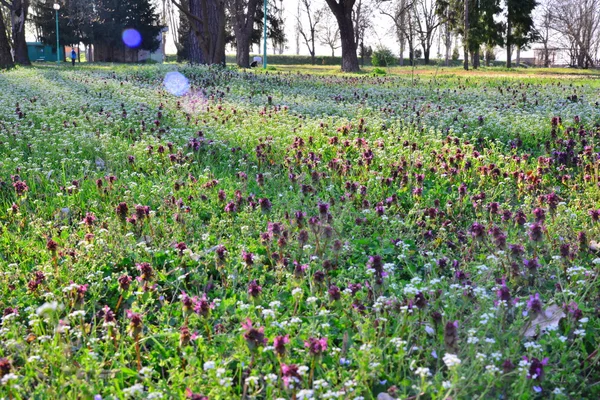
[(171, 232)]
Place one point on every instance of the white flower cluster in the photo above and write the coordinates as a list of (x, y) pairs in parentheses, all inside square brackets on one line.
[(451, 360)]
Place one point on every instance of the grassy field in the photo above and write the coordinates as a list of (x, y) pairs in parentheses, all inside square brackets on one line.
[(299, 233), (440, 70)]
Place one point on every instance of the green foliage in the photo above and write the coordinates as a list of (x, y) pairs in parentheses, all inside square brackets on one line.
[(520, 13), (383, 57)]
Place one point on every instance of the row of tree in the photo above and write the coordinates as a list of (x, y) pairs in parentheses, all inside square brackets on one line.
[(560, 26), (477, 22)]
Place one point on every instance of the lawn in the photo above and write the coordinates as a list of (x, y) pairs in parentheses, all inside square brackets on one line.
[(299, 233)]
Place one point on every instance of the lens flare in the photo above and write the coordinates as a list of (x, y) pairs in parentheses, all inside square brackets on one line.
[(176, 83), (131, 38)]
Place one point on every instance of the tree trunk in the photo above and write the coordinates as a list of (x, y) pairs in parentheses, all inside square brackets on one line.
[(6, 60), (242, 52), (343, 14), (18, 16), (195, 54), (402, 52), (509, 40), (518, 56), (466, 36), (426, 55), (207, 33), (448, 45), (349, 57), (476, 59)]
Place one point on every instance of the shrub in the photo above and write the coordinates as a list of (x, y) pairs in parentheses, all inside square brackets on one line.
[(382, 57), (455, 54)]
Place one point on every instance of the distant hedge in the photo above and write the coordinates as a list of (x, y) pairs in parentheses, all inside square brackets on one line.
[(328, 60), (296, 60)]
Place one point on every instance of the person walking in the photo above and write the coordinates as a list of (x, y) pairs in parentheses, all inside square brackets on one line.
[(73, 56)]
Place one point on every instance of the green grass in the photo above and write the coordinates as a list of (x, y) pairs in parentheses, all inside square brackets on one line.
[(409, 219)]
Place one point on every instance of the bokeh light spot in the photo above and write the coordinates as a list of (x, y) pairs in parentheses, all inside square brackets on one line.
[(176, 83), (131, 38)]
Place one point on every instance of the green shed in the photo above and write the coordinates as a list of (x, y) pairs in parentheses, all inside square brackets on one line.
[(38, 51)]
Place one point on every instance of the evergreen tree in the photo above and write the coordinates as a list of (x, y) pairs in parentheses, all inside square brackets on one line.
[(275, 28), (70, 30), (483, 28), (520, 30), (114, 16)]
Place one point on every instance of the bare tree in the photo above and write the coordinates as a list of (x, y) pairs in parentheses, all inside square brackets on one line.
[(426, 22), (410, 35), (545, 31), (578, 25), (466, 36), (174, 25), (361, 18), (314, 16), (399, 11), (447, 16), (329, 34), (279, 45), (297, 28)]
